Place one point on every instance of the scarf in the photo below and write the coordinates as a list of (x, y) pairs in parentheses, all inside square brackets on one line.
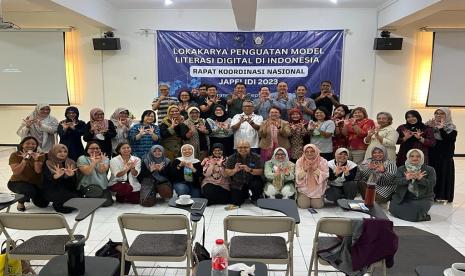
[(149, 158), (333, 163), (98, 126), (379, 147), (278, 181), (35, 130), (301, 116), (54, 161), (72, 109), (195, 139), (167, 120), (419, 125), (449, 126), (115, 116), (189, 159), (310, 181), (414, 168), (222, 118)]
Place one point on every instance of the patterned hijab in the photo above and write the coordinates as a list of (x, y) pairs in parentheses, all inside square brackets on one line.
[(414, 168), (301, 116), (103, 124), (167, 120), (279, 163), (115, 116), (54, 161), (189, 110)]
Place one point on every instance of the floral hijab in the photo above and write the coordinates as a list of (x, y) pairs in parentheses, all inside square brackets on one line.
[(301, 116), (279, 163)]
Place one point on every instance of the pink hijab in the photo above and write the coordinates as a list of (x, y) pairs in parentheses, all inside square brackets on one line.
[(312, 185), (98, 125)]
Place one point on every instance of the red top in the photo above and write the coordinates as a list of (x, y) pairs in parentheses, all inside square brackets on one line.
[(355, 141)]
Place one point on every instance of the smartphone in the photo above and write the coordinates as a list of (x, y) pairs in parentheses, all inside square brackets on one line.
[(197, 205), (312, 211)]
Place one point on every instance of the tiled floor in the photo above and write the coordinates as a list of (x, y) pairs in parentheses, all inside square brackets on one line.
[(448, 221)]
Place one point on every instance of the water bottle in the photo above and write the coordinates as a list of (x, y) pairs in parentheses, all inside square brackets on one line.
[(219, 259)]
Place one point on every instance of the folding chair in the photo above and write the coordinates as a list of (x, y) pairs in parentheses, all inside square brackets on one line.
[(261, 248), (156, 247), (41, 247), (336, 226)]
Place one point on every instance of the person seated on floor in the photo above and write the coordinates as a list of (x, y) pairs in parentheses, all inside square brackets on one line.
[(342, 174), (414, 194), (93, 166), (26, 165), (380, 170), (312, 174), (279, 175), (59, 178), (215, 185), (124, 171), (154, 176), (185, 172), (245, 170)]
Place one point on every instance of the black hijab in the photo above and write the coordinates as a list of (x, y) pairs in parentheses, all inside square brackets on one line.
[(72, 109), (413, 127), (221, 118)]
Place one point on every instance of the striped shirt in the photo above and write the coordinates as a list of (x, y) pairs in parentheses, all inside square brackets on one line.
[(163, 107)]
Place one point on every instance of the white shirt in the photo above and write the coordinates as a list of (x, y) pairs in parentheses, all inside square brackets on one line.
[(246, 131), (117, 165)]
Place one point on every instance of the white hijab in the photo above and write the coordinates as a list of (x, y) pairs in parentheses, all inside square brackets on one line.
[(191, 158)]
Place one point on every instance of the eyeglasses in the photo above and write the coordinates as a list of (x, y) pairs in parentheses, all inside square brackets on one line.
[(99, 114), (280, 154), (94, 148), (247, 106)]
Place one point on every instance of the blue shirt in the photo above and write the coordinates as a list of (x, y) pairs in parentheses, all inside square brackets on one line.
[(142, 146)]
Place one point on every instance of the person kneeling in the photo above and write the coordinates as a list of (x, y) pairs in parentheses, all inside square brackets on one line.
[(342, 173), (215, 185), (124, 171), (311, 178), (279, 174), (186, 172), (414, 194)]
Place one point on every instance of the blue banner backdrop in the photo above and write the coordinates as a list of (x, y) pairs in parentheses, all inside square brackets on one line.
[(186, 59)]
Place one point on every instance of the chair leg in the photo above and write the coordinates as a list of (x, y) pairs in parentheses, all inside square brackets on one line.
[(122, 268), (188, 266), (134, 268), (310, 266)]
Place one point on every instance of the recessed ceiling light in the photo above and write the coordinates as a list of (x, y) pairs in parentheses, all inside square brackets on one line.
[(168, 2), (333, 1)]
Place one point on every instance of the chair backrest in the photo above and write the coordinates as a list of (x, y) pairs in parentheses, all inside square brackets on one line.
[(258, 224), (41, 221), (153, 222), (334, 225)]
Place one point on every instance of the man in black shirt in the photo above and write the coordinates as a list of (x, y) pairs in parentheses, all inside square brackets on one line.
[(325, 97)]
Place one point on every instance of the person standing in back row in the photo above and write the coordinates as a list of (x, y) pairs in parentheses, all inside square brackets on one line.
[(326, 96), (164, 100)]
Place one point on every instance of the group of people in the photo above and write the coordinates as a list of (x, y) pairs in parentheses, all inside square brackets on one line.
[(280, 145)]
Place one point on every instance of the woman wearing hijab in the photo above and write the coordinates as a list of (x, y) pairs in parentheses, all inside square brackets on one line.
[(222, 132), (122, 120), (145, 134), (197, 133), (414, 194), (40, 125), (171, 128), (93, 167), (26, 165), (442, 154), (379, 169), (185, 172), (299, 133), (100, 129), (342, 174), (383, 134), (273, 133), (414, 135), (312, 174), (154, 176), (71, 131), (279, 175), (356, 129), (215, 185), (60, 178)]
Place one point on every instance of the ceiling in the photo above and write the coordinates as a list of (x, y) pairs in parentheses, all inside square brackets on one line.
[(226, 4), (27, 5)]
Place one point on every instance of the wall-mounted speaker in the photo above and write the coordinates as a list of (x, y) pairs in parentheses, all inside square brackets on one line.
[(388, 43), (107, 43)]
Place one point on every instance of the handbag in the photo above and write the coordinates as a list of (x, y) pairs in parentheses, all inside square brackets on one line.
[(113, 249), (199, 253), (15, 267), (92, 191)]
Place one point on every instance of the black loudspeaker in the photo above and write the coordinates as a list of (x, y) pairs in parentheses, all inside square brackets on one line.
[(108, 43), (388, 43)]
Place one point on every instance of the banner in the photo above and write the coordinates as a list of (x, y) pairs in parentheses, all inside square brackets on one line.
[(186, 59)]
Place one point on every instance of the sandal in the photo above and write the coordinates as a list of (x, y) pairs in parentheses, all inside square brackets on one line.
[(231, 207), (20, 207)]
